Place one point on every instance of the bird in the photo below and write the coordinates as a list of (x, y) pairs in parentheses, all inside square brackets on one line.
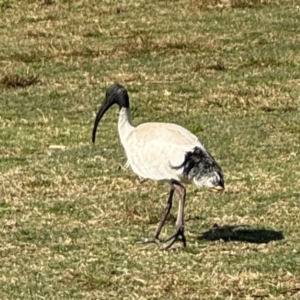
[(162, 152)]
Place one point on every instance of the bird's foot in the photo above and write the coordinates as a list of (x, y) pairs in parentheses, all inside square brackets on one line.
[(177, 236), (151, 240)]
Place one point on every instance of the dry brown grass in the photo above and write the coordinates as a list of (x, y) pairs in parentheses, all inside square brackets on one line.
[(15, 81), (219, 4)]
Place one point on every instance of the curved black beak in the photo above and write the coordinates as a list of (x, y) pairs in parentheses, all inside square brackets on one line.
[(115, 94), (102, 110)]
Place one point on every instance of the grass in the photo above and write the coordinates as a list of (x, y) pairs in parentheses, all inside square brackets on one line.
[(71, 217)]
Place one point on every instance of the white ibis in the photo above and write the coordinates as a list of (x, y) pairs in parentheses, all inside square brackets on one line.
[(162, 151)]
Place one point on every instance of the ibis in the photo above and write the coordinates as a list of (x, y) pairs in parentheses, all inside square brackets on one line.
[(162, 151)]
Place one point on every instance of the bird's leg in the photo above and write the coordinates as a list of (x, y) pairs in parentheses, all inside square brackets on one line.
[(165, 214), (179, 222)]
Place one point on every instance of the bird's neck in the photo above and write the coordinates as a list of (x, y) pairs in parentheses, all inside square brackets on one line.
[(124, 125)]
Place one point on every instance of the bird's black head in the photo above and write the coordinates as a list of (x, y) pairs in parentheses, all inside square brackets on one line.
[(115, 94)]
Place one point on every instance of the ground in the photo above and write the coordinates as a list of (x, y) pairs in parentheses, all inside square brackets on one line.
[(72, 217)]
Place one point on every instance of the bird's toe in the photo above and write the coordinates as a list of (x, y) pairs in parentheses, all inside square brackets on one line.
[(151, 240), (177, 236)]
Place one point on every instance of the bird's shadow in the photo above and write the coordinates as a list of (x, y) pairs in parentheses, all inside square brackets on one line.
[(241, 233)]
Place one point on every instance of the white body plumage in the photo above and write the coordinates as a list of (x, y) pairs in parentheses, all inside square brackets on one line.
[(153, 148)]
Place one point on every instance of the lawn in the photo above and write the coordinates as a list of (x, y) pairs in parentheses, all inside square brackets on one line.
[(72, 217)]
